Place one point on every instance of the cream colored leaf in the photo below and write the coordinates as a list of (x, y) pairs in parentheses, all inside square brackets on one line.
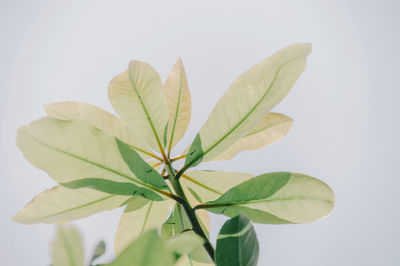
[(209, 185), (178, 99), (269, 129), (186, 261), (61, 205), (100, 119), (67, 247), (139, 98), (140, 216), (73, 150), (248, 99)]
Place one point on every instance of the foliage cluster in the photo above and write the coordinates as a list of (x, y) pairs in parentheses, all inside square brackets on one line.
[(102, 162)]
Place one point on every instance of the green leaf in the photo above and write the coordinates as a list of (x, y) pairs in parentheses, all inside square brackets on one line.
[(237, 243), (209, 185), (67, 247), (140, 216), (269, 129), (100, 119), (178, 223), (148, 250), (186, 242), (184, 260), (60, 205), (99, 251), (276, 198), (248, 99), (112, 187), (73, 150), (179, 106), (139, 98), (140, 168)]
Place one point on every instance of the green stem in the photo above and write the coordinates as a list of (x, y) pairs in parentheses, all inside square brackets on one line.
[(189, 210)]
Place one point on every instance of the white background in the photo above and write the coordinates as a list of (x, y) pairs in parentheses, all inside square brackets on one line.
[(345, 106)]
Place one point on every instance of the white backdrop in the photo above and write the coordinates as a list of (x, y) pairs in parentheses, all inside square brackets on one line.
[(344, 106)]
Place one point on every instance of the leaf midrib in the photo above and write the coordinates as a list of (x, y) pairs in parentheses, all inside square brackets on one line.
[(194, 181), (146, 217), (75, 208), (239, 203), (265, 128), (176, 111), (147, 114), (68, 250)]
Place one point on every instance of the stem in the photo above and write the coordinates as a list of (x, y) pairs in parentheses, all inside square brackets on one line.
[(178, 158), (189, 210)]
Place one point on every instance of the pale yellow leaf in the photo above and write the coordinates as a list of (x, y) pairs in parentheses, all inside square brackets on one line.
[(60, 205), (139, 98), (67, 247), (249, 98), (140, 216), (269, 129), (100, 119), (186, 261), (178, 99), (73, 150)]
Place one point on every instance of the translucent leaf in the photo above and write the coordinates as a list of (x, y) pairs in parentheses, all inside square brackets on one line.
[(237, 243), (139, 98), (60, 205), (178, 222), (67, 247), (277, 198), (185, 242), (100, 119), (178, 99), (269, 129), (74, 150), (148, 250), (248, 99), (140, 216)]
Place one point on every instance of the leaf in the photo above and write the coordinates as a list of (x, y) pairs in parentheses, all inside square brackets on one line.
[(277, 198), (67, 247), (140, 168), (147, 250), (202, 215), (139, 98), (74, 150), (178, 99), (139, 217), (99, 251), (237, 243), (269, 129), (178, 223), (100, 119), (60, 205), (185, 242), (184, 260), (248, 99), (112, 187), (209, 185)]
